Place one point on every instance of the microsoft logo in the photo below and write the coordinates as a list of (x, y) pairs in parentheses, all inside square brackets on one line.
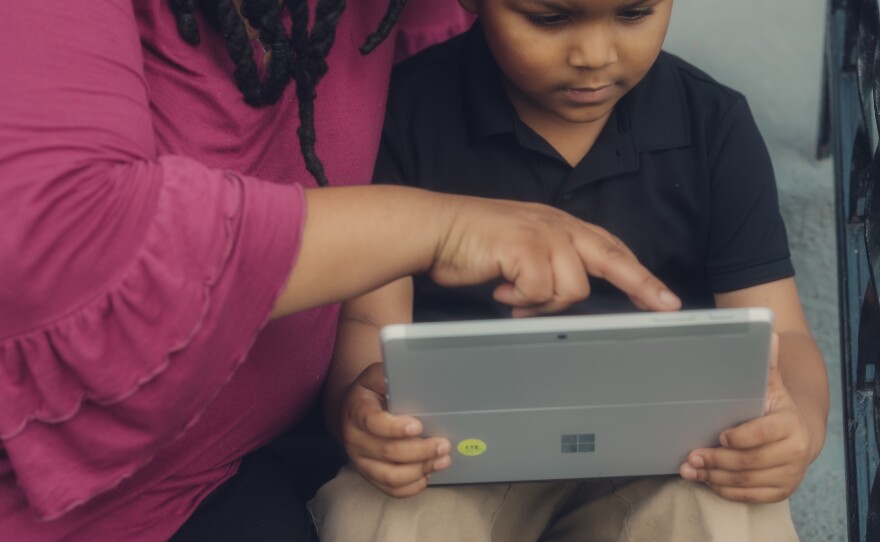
[(578, 443)]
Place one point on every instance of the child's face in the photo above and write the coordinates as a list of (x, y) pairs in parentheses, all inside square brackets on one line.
[(572, 59)]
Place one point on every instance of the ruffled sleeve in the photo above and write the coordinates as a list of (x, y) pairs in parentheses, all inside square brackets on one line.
[(131, 285)]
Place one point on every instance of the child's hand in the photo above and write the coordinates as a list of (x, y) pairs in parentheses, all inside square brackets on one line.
[(762, 460), (386, 449)]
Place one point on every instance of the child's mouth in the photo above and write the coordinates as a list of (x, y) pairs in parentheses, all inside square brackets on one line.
[(589, 95)]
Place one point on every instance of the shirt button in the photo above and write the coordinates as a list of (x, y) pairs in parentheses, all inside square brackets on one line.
[(567, 196)]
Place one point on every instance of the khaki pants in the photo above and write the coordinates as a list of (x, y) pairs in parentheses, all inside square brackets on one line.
[(350, 509)]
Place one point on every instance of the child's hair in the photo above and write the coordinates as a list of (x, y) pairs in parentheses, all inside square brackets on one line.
[(300, 56)]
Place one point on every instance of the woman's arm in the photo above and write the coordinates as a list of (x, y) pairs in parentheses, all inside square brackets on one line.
[(358, 238)]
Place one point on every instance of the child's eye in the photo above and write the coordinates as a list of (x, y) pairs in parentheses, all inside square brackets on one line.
[(548, 20), (635, 15)]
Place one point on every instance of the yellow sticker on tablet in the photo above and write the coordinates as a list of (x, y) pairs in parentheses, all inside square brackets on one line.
[(471, 446)]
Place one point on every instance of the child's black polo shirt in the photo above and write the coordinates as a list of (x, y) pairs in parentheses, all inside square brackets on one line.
[(680, 173)]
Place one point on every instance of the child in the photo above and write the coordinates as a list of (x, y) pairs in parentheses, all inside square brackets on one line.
[(572, 103)]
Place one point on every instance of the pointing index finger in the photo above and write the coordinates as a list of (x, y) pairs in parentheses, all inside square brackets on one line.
[(607, 260)]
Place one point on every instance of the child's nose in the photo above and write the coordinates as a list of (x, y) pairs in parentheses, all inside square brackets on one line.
[(592, 48)]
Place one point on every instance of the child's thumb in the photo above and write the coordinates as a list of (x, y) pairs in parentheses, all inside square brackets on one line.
[(775, 386)]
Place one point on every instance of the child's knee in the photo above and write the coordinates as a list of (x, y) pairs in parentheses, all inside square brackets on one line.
[(350, 509), (681, 510)]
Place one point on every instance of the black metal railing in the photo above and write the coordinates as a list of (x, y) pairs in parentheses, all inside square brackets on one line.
[(849, 127)]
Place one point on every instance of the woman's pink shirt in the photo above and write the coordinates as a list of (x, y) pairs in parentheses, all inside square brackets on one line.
[(149, 221)]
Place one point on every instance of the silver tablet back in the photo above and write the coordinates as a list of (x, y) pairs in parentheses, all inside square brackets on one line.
[(578, 396)]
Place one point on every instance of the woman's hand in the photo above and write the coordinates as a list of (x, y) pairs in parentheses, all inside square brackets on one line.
[(386, 449), (359, 238), (544, 257), (762, 460)]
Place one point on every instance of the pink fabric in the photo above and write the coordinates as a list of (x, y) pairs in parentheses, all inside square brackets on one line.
[(141, 251), (423, 25)]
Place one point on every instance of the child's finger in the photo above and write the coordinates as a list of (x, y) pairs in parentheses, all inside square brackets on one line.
[(396, 480), (438, 464), (403, 450), (781, 476), (761, 431), (757, 495), (372, 418), (764, 457), (776, 392), (373, 379), (409, 490), (774, 353)]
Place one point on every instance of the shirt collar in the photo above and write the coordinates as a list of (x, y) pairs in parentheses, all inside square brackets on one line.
[(657, 109), (653, 114)]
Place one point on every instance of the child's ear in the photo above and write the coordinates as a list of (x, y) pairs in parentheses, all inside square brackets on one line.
[(469, 5)]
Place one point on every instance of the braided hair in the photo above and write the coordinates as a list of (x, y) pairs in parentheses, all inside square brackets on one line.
[(301, 57)]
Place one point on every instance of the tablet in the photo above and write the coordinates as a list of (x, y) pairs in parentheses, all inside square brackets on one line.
[(572, 397)]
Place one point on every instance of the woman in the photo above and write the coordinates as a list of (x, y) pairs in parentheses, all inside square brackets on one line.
[(159, 208)]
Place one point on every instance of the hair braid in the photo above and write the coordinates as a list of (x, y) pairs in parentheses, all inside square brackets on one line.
[(253, 11), (323, 33), (238, 45), (299, 26), (303, 57), (274, 36), (388, 21), (184, 16), (310, 66)]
